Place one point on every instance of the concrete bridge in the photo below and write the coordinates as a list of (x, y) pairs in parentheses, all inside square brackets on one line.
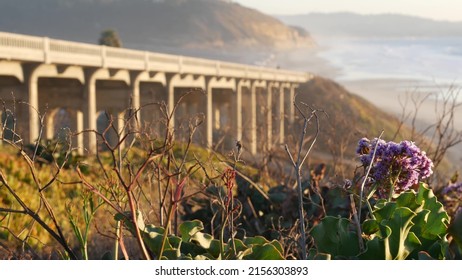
[(81, 82)]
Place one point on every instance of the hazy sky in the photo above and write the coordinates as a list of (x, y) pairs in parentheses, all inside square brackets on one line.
[(435, 9)]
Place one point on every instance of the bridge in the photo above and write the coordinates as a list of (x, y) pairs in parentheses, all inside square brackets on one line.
[(81, 82)]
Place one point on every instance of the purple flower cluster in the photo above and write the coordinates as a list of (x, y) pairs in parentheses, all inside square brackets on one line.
[(399, 164), (452, 188)]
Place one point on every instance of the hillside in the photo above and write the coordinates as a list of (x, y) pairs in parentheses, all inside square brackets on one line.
[(382, 25), (349, 118), (209, 25)]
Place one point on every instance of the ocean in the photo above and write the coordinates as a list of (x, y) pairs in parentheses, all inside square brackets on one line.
[(436, 61)]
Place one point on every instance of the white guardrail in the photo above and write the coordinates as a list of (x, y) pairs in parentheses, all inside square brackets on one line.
[(18, 47)]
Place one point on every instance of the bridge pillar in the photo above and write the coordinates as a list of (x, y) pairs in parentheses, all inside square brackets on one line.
[(49, 126), (291, 104), (78, 126), (90, 110), (269, 114), (238, 110), (135, 102), (32, 102), (121, 127), (281, 114), (209, 113), (170, 86), (253, 118)]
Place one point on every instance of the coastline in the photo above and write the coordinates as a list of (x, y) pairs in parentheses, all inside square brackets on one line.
[(388, 94)]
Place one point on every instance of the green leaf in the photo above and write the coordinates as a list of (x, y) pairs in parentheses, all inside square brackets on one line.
[(203, 239), (455, 229), (257, 240), (264, 252), (278, 246), (370, 226), (189, 228), (332, 236), (214, 248), (433, 220)]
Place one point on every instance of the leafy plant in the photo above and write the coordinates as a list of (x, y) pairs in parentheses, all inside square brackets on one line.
[(414, 226), (193, 244)]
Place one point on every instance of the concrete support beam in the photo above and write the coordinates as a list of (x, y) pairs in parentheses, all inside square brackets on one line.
[(49, 126), (32, 75), (90, 106), (32, 100), (253, 104), (238, 112), (281, 115), (90, 111), (292, 107), (121, 128), (136, 79), (12, 68), (211, 115), (253, 132), (185, 81), (79, 126)]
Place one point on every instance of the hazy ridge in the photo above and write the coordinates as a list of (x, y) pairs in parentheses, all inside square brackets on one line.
[(210, 25), (375, 26)]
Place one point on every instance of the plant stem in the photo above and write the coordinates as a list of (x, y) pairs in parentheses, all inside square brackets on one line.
[(167, 226), (116, 243)]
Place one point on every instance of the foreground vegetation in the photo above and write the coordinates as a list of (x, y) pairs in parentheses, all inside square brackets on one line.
[(157, 198)]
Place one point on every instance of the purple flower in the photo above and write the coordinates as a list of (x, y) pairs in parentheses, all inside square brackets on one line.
[(400, 165)]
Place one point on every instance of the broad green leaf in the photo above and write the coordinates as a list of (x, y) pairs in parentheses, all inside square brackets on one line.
[(257, 240), (278, 246), (333, 236), (401, 244), (370, 227), (433, 223), (203, 239), (239, 244), (214, 248), (264, 252), (455, 229), (189, 229)]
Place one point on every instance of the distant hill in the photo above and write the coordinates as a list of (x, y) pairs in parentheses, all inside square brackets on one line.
[(195, 25), (350, 117), (382, 25)]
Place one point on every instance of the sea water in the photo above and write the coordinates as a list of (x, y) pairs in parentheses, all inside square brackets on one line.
[(434, 60)]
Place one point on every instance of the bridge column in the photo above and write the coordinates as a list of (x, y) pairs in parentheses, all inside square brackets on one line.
[(209, 113), (136, 101), (120, 124), (78, 121), (291, 103), (32, 100), (238, 111), (90, 110), (281, 114), (170, 86), (50, 126), (253, 117), (269, 115)]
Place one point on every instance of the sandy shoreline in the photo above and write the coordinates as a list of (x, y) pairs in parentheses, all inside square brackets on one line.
[(386, 93)]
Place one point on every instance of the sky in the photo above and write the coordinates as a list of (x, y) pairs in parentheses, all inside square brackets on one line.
[(434, 9)]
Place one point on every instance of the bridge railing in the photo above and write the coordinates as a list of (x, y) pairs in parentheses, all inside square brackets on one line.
[(42, 49)]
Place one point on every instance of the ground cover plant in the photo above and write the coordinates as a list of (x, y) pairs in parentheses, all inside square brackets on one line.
[(146, 195)]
